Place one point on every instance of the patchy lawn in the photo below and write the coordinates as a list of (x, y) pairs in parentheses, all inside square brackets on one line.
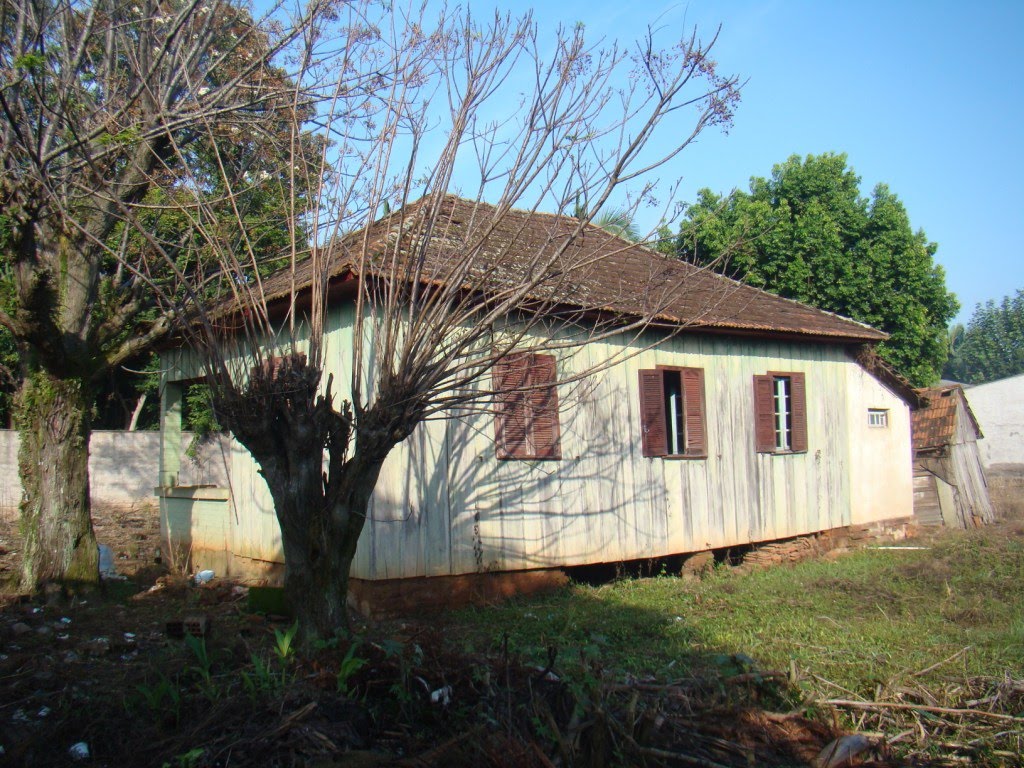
[(939, 627), (735, 670)]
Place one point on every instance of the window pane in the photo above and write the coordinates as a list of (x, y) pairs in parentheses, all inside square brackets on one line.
[(878, 417), (674, 414), (783, 414)]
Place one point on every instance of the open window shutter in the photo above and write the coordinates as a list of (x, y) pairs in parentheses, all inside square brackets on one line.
[(543, 412), (693, 403), (654, 441), (798, 396), (764, 414), (510, 420)]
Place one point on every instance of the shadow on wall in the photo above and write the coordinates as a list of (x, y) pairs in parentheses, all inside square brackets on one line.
[(461, 511)]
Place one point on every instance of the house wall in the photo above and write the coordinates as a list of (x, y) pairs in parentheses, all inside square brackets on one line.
[(999, 408), (881, 459), (445, 505)]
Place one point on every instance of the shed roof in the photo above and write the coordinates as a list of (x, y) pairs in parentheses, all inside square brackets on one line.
[(604, 272), (934, 424)]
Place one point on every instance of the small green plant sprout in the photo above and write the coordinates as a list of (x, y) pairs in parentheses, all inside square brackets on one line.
[(188, 759), (262, 681), (348, 667), (284, 642), (204, 666), (163, 698)]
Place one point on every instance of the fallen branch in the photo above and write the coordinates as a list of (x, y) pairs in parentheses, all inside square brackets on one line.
[(944, 661), (874, 705)]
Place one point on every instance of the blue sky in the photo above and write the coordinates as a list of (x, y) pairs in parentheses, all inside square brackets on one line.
[(927, 97)]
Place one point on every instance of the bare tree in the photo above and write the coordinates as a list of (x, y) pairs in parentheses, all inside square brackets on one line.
[(107, 109), (462, 274)]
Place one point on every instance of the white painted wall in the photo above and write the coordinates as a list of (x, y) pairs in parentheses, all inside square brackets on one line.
[(445, 505), (999, 408), (881, 467), (123, 466)]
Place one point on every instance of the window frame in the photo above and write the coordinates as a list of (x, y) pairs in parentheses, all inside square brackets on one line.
[(883, 413), (525, 388), (767, 414), (654, 417)]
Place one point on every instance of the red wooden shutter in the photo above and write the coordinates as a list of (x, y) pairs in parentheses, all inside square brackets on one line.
[(798, 400), (693, 404), (654, 441), (543, 428), (764, 414), (510, 418)]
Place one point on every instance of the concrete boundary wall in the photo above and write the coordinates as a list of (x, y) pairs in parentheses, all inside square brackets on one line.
[(123, 466)]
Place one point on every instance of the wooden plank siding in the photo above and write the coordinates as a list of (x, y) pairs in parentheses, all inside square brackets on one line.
[(445, 504)]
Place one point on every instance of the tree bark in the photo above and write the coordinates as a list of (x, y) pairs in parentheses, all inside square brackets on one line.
[(53, 419), (319, 536)]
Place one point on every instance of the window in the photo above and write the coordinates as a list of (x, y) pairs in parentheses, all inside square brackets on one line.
[(526, 407), (878, 417), (781, 413), (672, 412)]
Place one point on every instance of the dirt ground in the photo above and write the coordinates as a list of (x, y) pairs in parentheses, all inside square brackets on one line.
[(113, 679)]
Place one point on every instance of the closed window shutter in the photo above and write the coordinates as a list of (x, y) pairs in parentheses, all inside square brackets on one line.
[(543, 411), (764, 414), (654, 441), (693, 403), (526, 407), (798, 397), (509, 377)]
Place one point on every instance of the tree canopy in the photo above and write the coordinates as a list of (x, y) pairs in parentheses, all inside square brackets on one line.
[(992, 345), (113, 116), (807, 233)]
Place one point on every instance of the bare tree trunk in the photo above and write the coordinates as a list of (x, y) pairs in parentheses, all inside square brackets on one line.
[(134, 422), (53, 463), (287, 426)]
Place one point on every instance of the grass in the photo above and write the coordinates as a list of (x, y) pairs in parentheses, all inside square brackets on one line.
[(860, 621)]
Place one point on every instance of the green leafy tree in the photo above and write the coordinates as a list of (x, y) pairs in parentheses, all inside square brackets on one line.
[(808, 234), (992, 345), (112, 117)]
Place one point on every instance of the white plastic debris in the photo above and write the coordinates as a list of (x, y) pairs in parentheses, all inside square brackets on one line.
[(43, 712), (204, 576), (65, 620), (843, 752), (79, 751), (442, 696)]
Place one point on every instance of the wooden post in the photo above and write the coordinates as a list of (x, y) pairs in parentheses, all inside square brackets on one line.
[(171, 394)]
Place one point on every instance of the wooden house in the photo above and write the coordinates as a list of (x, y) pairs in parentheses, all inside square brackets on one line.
[(949, 482), (760, 419)]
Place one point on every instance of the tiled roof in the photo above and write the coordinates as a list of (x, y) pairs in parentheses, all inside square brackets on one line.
[(934, 424), (596, 271)]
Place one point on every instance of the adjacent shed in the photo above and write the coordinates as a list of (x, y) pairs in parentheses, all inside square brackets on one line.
[(949, 482), (999, 408)]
